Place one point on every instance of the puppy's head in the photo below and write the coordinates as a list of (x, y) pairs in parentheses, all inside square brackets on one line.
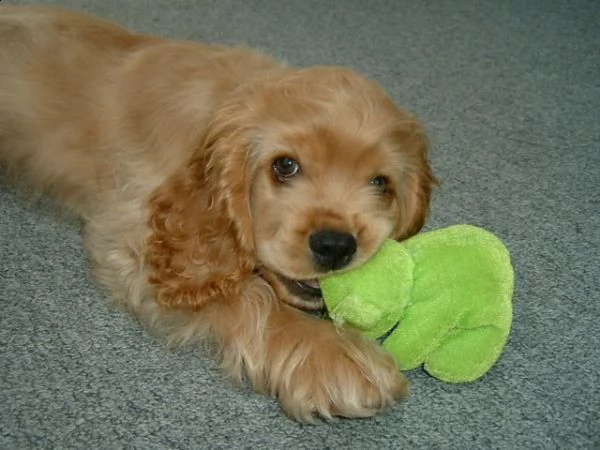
[(314, 169), (337, 170)]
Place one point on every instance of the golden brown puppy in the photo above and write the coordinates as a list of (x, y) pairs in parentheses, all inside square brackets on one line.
[(216, 186)]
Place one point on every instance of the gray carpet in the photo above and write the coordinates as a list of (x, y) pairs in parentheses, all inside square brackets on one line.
[(510, 94)]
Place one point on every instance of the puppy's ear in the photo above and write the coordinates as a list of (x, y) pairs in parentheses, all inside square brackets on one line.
[(417, 180), (201, 247)]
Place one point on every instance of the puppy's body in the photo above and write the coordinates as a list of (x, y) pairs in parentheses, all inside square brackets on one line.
[(172, 152), (90, 104)]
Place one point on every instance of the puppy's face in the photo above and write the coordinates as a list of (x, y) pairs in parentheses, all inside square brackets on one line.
[(337, 170)]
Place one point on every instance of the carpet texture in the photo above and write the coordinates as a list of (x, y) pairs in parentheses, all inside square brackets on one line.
[(510, 95)]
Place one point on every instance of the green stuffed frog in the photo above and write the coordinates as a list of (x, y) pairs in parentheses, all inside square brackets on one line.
[(441, 299)]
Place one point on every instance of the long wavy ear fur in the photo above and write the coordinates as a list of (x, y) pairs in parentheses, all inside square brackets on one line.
[(418, 180), (201, 247)]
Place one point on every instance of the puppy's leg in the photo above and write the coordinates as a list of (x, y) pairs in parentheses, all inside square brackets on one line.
[(307, 363), (312, 367)]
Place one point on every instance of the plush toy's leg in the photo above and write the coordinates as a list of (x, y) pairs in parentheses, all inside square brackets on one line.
[(421, 331), (467, 355), (454, 345)]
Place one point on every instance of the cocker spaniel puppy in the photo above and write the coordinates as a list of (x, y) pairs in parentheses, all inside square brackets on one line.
[(216, 186)]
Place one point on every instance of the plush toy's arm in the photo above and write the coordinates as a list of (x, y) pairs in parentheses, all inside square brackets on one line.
[(366, 316)]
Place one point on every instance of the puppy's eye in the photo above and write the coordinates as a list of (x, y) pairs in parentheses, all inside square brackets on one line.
[(380, 182), (285, 168)]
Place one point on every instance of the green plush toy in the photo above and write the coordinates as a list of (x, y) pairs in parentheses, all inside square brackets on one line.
[(441, 299)]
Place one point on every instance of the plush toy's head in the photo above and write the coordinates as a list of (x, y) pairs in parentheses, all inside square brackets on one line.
[(440, 299)]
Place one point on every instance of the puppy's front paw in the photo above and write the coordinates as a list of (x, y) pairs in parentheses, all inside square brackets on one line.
[(330, 372)]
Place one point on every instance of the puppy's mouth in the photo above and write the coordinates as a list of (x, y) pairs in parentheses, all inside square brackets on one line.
[(302, 294), (308, 290)]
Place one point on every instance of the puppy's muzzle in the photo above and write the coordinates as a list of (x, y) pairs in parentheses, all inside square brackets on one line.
[(332, 249)]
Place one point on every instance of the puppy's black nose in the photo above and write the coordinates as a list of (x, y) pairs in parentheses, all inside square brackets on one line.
[(332, 249)]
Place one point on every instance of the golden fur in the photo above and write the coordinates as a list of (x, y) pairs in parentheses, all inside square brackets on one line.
[(167, 151)]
